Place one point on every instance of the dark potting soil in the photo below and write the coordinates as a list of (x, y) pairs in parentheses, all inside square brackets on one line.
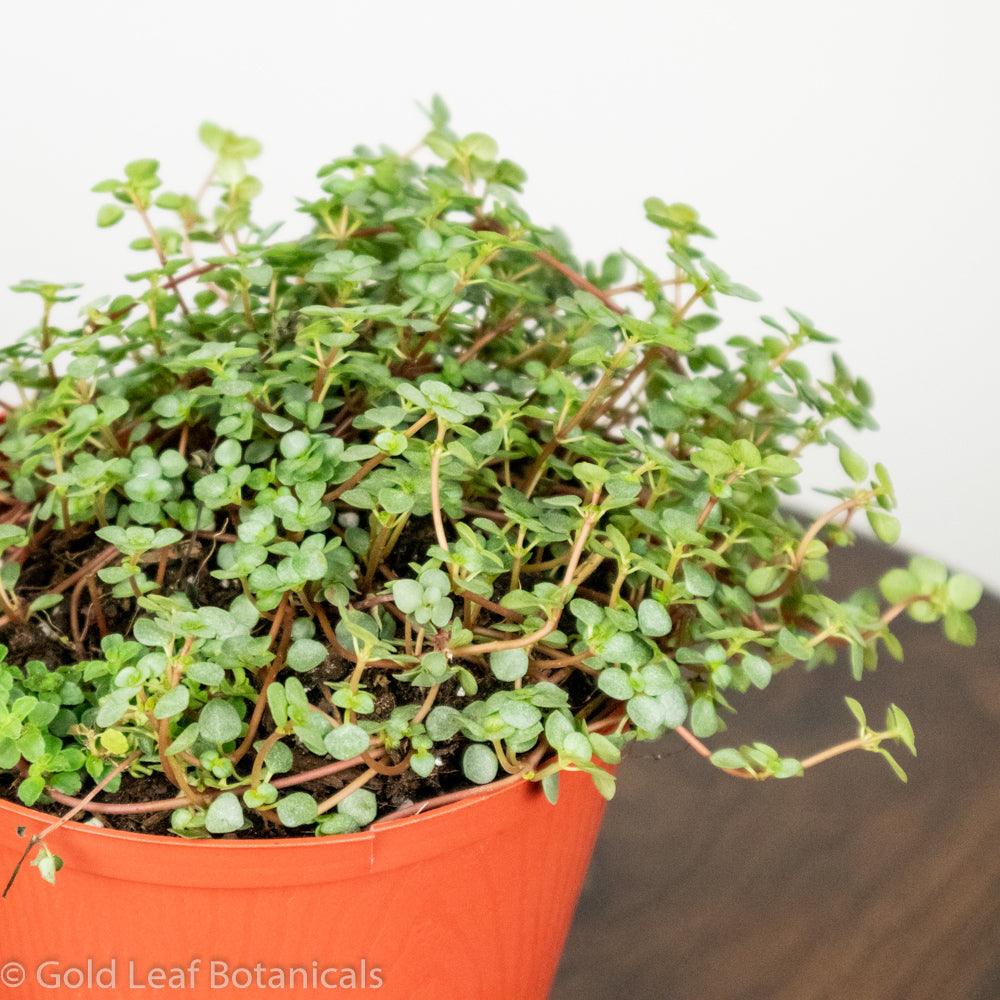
[(49, 639)]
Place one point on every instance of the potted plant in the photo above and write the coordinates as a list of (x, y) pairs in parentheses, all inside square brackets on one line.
[(329, 558)]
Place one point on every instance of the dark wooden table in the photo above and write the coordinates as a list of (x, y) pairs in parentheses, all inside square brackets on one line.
[(845, 884)]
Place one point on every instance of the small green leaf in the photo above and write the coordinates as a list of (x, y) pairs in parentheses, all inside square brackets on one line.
[(787, 767), (509, 664), (603, 782), (699, 583), (646, 712), (729, 758), (899, 585), (114, 706), (885, 526), (856, 710), (297, 809), (346, 741), (550, 786), (360, 806), (964, 591), (225, 814), (893, 763), (605, 749), (705, 721), (219, 722), (185, 740), (172, 703), (763, 579), (277, 702), (479, 764), (960, 627), (781, 466), (899, 725), (654, 619), (793, 645), (30, 790), (408, 595), (615, 683), (114, 741), (758, 670), (929, 572), (209, 674), (108, 215), (853, 464), (304, 654), (674, 705)]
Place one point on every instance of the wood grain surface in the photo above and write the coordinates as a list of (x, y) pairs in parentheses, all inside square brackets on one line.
[(845, 884)]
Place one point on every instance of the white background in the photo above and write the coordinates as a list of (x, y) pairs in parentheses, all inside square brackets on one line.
[(846, 153)]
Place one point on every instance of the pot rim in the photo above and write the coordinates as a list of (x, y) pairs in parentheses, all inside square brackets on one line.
[(477, 797), (215, 863), (381, 832)]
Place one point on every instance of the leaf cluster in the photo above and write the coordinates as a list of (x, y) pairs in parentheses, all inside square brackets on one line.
[(418, 445)]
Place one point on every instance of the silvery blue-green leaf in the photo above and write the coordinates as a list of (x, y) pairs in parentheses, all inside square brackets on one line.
[(304, 654), (297, 809), (479, 764), (172, 703), (219, 722), (509, 664), (346, 741), (225, 814), (654, 619), (360, 806)]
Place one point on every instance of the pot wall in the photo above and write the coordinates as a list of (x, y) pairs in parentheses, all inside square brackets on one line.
[(472, 900)]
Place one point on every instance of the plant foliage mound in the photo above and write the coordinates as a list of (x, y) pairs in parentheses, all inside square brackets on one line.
[(300, 532)]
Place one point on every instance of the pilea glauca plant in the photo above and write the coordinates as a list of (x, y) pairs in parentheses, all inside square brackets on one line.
[(304, 532)]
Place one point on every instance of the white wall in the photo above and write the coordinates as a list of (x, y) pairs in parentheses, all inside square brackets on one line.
[(847, 154)]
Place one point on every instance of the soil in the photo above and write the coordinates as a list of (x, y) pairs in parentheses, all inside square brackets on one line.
[(48, 638)]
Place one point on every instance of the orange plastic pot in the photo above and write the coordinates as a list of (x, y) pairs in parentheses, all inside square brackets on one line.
[(470, 900)]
